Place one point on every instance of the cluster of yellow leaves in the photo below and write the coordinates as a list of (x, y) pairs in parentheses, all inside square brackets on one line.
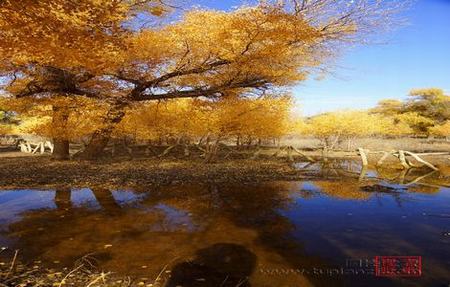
[(436, 94), (5, 129), (252, 43), (174, 118), (415, 121), (261, 118), (64, 33), (388, 107), (441, 130), (349, 124), (84, 116), (422, 113), (343, 123), (391, 126)]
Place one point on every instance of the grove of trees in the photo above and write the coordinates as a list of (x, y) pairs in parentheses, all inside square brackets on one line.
[(425, 113), (98, 69)]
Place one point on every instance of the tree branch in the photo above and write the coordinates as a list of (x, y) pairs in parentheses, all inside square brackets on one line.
[(202, 92)]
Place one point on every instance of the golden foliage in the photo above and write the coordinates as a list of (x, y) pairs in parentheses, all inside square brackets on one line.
[(342, 124), (424, 109), (388, 107), (70, 64), (5, 129), (83, 116), (441, 130), (62, 33), (415, 121), (173, 118), (187, 118)]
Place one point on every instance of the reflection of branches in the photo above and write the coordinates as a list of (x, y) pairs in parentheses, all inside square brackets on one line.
[(401, 176), (419, 178)]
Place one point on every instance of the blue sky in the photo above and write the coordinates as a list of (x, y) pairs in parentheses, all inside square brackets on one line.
[(415, 56)]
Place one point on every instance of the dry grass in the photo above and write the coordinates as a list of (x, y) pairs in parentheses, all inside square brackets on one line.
[(84, 273)]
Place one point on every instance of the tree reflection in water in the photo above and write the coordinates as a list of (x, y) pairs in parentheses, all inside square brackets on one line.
[(205, 232), (170, 224)]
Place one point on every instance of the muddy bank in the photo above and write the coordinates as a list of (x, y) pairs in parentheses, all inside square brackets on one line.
[(41, 171)]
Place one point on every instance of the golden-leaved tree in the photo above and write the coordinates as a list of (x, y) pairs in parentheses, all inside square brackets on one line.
[(334, 127), (50, 48), (420, 113), (172, 120), (91, 48), (442, 130), (186, 120), (82, 116), (5, 121), (252, 120)]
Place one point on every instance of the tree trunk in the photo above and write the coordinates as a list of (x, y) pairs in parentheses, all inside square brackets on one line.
[(61, 149), (101, 137), (97, 144), (60, 141)]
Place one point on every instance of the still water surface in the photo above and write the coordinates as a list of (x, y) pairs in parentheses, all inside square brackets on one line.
[(266, 234)]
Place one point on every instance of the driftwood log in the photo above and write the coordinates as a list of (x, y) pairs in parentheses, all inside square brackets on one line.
[(401, 155), (34, 147)]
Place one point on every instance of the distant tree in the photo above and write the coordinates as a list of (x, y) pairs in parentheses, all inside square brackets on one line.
[(424, 109), (335, 127), (431, 103), (388, 107), (253, 120), (418, 123), (442, 130)]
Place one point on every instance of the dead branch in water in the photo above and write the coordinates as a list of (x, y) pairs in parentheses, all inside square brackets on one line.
[(402, 156), (416, 157)]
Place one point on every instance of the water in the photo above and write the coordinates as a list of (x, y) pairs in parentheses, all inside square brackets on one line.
[(312, 233)]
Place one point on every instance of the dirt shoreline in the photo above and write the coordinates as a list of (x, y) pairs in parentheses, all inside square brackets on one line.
[(24, 172), (43, 172)]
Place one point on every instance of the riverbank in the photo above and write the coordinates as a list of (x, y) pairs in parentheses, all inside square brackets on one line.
[(42, 171)]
